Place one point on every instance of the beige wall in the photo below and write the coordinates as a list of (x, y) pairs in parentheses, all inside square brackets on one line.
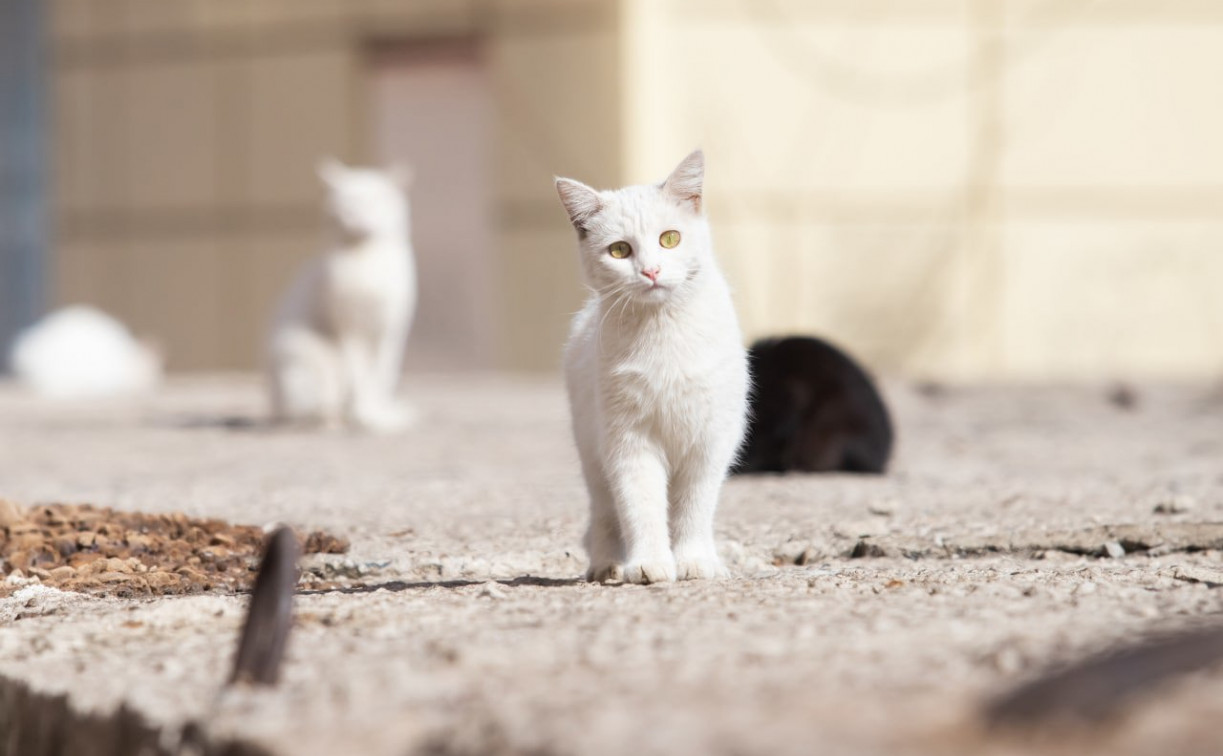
[(187, 133), (964, 189), (1020, 189)]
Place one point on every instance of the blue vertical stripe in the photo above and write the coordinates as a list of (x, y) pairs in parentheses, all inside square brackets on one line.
[(24, 247)]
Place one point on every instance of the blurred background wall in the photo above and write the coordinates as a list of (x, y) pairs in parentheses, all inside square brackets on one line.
[(960, 189)]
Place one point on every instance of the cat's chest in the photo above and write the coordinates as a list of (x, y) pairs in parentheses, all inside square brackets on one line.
[(364, 292), (366, 280), (670, 385)]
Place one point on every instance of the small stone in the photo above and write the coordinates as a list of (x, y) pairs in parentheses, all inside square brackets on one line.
[(160, 580), (138, 542), (864, 548), (1207, 577), (19, 560), (114, 564), (1114, 549), (10, 513), (65, 545), (26, 542), (1174, 505), (81, 559), (492, 590), (1008, 661), (882, 508)]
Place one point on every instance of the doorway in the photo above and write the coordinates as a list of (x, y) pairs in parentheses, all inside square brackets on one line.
[(432, 111)]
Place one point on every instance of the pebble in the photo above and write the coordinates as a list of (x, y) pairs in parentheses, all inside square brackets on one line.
[(1192, 574), (492, 590), (1174, 505)]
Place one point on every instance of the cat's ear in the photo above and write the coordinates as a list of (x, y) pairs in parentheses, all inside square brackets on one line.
[(401, 174), (687, 180), (580, 201), (330, 170)]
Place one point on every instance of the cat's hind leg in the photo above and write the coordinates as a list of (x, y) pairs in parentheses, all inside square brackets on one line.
[(305, 380), (370, 407), (395, 412)]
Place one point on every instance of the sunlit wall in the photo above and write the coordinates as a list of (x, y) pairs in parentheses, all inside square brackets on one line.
[(993, 189)]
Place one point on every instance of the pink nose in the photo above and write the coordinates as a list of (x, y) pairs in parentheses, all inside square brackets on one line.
[(652, 274)]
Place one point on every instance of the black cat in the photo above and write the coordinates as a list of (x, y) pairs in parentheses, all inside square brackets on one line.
[(813, 409)]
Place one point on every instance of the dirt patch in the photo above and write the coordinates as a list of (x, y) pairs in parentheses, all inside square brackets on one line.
[(102, 551)]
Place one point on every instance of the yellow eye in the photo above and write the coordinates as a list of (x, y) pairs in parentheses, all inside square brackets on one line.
[(669, 239), (620, 250)]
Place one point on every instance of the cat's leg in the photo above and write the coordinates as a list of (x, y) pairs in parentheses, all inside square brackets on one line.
[(367, 405), (304, 378), (637, 477), (390, 360), (603, 543), (693, 501), (393, 412)]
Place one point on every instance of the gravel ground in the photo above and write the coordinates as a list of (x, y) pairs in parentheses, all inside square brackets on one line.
[(865, 615)]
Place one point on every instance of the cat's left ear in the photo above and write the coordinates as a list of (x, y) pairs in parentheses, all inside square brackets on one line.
[(687, 180), (330, 171), (401, 174)]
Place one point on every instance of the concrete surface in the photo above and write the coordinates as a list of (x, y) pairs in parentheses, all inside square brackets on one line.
[(467, 631)]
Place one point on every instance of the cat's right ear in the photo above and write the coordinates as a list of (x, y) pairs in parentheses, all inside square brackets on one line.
[(686, 181), (580, 201), (329, 170)]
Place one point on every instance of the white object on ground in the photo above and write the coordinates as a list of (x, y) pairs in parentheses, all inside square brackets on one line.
[(80, 352)]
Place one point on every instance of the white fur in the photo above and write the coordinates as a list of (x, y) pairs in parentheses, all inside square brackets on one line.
[(82, 353), (336, 346), (657, 379)]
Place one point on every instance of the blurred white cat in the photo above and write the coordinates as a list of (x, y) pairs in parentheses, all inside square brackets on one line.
[(336, 345), (79, 352)]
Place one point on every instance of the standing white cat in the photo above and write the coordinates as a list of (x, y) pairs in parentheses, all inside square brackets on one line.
[(336, 345), (657, 377)]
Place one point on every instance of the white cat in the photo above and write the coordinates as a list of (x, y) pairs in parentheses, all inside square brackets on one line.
[(657, 377), (82, 353), (336, 346)]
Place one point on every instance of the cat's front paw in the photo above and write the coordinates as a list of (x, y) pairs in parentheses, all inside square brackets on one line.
[(700, 568), (697, 559), (653, 571), (605, 573), (390, 417)]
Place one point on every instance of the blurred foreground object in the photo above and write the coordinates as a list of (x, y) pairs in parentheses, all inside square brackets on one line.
[(82, 353), (1096, 688), (270, 615)]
